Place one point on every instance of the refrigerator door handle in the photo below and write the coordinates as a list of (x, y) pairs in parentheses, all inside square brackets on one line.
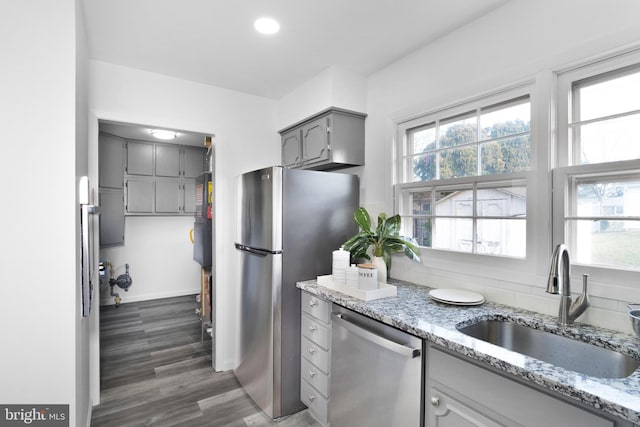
[(375, 338), (255, 251)]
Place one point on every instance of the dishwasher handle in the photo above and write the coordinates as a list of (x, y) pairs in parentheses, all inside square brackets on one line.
[(375, 338)]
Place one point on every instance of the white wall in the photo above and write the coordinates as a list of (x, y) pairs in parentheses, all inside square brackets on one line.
[(519, 41), (40, 315), (245, 139), (333, 87), (160, 258)]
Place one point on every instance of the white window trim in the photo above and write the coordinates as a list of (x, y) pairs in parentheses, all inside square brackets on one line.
[(622, 280), (483, 264)]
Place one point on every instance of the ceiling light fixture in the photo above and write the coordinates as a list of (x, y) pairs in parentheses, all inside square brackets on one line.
[(163, 134), (266, 26)]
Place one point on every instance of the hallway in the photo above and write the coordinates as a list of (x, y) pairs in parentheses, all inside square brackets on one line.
[(156, 371)]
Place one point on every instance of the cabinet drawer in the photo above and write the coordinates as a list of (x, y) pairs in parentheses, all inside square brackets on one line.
[(315, 331), (318, 405), (314, 376), (315, 354), (316, 307)]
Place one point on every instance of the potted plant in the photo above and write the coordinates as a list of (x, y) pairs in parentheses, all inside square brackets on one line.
[(383, 241)]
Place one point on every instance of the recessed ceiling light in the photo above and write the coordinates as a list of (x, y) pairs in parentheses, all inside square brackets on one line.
[(163, 134), (266, 26)]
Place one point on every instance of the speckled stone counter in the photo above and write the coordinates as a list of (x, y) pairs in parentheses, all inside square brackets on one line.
[(413, 311)]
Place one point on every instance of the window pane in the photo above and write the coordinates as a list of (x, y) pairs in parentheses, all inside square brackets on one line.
[(458, 162), (507, 237), (606, 198), (454, 202), (502, 201), (454, 234), (607, 243), (506, 156), (420, 202), (510, 120), (460, 130), (617, 95), (608, 141), (422, 139), (423, 167), (421, 231)]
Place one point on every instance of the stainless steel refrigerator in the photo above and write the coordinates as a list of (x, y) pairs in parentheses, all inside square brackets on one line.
[(290, 222)]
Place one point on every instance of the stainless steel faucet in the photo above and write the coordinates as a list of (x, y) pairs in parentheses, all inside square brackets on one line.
[(560, 284)]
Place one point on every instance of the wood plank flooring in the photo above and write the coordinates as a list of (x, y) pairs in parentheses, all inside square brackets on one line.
[(155, 371)]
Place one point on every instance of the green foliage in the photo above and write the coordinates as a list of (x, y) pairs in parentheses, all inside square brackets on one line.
[(504, 156), (383, 241)]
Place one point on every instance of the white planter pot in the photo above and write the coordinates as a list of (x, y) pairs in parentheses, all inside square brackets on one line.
[(381, 266)]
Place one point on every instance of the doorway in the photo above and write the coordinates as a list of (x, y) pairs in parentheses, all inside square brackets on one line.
[(147, 197)]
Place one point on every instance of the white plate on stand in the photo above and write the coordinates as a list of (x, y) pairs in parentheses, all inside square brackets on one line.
[(456, 297)]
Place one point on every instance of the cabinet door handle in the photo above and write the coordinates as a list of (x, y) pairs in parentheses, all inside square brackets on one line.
[(435, 401), (312, 397), (313, 328), (313, 303), (312, 350), (312, 373)]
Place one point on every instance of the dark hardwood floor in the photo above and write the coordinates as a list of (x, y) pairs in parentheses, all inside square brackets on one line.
[(155, 370)]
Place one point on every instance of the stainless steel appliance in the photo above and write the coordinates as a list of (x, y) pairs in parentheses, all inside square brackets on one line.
[(290, 222), (376, 373)]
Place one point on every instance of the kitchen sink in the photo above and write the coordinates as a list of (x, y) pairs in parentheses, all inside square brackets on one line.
[(561, 351)]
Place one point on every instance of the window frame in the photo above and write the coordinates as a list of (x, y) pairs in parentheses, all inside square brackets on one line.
[(525, 89), (566, 167)]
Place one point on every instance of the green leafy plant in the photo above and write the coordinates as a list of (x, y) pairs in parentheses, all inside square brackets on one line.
[(383, 241)]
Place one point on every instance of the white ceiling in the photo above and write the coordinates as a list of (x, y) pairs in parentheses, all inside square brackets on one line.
[(142, 133), (213, 41)]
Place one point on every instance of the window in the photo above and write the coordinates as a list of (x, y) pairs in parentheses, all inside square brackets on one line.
[(463, 173), (597, 184)]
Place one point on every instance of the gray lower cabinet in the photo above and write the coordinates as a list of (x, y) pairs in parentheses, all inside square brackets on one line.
[(315, 347), (331, 139), (460, 393)]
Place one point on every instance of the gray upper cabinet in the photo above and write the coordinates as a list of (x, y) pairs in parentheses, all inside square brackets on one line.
[(169, 199), (189, 190), (111, 216), (168, 161), (111, 151), (152, 178), (139, 158), (315, 141), (292, 149), (111, 168), (139, 194), (331, 139), (168, 189), (194, 159)]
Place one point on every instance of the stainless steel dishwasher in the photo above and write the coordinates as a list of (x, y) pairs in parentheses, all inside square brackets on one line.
[(376, 373)]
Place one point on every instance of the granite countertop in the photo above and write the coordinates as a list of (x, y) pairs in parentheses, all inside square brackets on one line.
[(414, 312)]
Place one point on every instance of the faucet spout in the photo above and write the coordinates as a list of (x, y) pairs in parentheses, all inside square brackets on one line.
[(560, 272), (560, 283)]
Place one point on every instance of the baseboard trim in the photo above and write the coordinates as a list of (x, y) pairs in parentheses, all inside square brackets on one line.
[(147, 297)]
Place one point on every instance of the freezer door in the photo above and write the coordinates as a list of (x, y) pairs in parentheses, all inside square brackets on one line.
[(260, 208), (259, 368)]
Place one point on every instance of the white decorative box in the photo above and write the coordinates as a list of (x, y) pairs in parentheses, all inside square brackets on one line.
[(384, 290)]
